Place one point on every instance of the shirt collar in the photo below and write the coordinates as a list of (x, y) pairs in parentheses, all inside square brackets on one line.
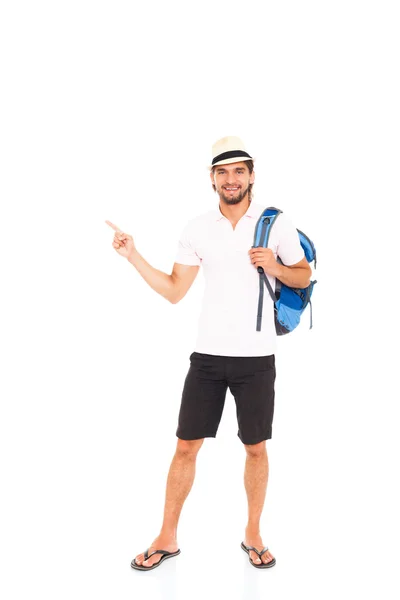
[(253, 212)]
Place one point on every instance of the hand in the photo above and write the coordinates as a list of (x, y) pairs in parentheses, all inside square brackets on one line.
[(264, 257), (123, 243)]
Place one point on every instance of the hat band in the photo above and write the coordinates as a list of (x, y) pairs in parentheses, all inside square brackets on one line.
[(230, 154)]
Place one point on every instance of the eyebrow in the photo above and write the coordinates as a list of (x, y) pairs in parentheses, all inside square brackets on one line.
[(237, 169)]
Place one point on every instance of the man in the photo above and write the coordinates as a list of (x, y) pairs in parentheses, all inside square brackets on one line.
[(229, 351)]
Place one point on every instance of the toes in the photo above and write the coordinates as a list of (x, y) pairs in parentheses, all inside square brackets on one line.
[(139, 559), (267, 557), (255, 558), (148, 562), (152, 560)]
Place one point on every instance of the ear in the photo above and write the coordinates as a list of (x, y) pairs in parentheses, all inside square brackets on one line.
[(212, 177), (252, 177)]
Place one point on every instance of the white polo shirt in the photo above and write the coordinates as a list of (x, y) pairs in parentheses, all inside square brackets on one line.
[(227, 323)]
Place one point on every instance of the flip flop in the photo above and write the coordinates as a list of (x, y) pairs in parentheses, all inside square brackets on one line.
[(262, 565), (165, 554)]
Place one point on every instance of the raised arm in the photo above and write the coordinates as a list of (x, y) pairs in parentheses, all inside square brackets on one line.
[(172, 287)]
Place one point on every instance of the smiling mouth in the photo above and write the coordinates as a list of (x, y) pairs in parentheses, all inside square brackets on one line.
[(231, 189)]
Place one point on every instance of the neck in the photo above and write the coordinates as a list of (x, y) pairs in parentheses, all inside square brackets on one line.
[(234, 212)]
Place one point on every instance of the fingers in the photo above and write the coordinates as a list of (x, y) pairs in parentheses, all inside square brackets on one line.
[(258, 252), (120, 239), (113, 226), (117, 243), (122, 236)]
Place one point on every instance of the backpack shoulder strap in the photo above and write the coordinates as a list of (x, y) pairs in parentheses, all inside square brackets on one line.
[(261, 237), (263, 226)]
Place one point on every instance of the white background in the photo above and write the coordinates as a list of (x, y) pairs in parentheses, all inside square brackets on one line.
[(109, 111)]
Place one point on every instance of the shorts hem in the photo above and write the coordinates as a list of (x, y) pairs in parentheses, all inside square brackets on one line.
[(189, 437), (255, 440)]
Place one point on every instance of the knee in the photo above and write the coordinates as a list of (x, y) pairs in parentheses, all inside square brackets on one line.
[(189, 448), (256, 450)]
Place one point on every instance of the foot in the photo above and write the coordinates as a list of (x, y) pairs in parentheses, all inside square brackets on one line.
[(253, 538), (160, 543)]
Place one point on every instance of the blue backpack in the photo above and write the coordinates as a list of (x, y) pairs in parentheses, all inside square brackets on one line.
[(289, 303)]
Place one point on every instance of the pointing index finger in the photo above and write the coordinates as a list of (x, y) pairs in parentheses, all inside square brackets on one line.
[(113, 226)]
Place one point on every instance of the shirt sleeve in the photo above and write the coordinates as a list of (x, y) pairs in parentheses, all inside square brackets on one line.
[(289, 248), (186, 252)]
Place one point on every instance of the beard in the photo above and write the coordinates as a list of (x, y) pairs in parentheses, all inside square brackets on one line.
[(231, 200)]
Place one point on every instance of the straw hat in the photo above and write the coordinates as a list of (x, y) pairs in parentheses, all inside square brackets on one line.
[(228, 150)]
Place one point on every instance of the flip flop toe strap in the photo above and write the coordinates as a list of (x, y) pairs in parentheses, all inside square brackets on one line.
[(163, 552), (248, 548)]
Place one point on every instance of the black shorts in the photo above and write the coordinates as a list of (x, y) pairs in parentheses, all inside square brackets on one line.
[(251, 381)]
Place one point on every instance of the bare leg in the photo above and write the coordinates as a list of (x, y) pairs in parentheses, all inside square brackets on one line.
[(255, 481), (179, 483)]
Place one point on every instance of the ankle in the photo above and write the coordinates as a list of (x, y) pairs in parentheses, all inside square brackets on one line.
[(253, 529), (168, 534)]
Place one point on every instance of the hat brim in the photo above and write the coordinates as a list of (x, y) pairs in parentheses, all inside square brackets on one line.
[(229, 161)]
